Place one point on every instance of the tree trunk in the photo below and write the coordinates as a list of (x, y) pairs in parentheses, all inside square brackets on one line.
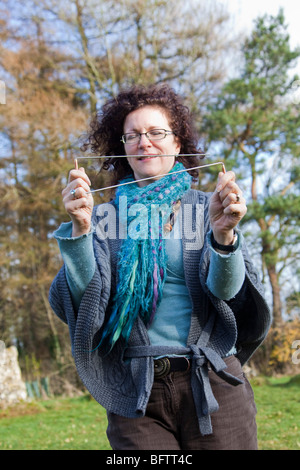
[(277, 304)]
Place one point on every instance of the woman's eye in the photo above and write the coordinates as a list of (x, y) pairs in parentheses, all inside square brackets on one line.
[(131, 136), (158, 132)]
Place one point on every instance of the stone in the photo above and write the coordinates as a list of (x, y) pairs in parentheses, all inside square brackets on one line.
[(12, 387)]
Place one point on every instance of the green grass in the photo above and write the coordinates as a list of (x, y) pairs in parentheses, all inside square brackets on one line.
[(60, 424), (80, 423), (278, 417)]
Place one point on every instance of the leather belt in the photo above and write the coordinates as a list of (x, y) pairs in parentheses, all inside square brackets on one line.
[(202, 356), (164, 365)]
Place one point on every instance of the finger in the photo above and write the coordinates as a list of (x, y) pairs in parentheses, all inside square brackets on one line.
[(78, 193), (72, 206), (76, 185), (235, 210), (232, 190), (224, 179), (233, 198), (79, 173)]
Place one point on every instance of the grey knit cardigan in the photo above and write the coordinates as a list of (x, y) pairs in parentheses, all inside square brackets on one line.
[(122, 380)]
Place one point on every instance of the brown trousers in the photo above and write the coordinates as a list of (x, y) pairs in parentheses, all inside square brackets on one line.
[(171, 423)]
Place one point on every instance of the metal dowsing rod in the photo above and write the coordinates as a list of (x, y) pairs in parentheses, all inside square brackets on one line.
[(135, 156), (151, 177)]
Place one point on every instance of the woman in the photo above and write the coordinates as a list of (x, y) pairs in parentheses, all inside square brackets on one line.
[(162, 302)]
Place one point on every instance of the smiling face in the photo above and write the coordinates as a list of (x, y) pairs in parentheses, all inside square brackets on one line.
[(150, 163)]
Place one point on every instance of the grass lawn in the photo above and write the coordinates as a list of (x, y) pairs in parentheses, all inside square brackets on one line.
[(59, 424), (278, 417), (80, 423)]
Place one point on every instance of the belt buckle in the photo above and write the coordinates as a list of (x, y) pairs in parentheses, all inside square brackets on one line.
[(162, 367), (188, 364)]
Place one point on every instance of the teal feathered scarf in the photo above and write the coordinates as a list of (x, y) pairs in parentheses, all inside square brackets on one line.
[(141, 268)]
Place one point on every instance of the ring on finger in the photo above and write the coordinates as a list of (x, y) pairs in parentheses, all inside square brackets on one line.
[(73, 193), (238, 198)]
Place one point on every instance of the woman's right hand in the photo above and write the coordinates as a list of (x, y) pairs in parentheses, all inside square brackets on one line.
[(80, 205)]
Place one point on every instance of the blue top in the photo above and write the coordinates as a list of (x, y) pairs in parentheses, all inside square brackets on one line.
[(172, 319)]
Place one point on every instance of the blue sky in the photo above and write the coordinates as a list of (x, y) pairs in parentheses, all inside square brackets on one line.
[(245, 11)]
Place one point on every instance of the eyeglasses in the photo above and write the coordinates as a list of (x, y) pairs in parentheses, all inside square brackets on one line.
[(154, 134)]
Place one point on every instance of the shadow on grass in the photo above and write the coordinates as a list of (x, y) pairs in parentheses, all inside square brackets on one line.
[(284, 382)]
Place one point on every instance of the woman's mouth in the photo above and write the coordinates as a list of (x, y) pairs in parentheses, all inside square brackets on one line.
[(146, 157)]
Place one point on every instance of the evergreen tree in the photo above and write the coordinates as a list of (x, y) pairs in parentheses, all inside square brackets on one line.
[(254, 124)]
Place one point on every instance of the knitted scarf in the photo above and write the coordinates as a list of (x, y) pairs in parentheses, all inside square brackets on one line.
[(142, 258)]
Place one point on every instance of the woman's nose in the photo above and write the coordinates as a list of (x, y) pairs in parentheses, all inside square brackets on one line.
[(144, 141)]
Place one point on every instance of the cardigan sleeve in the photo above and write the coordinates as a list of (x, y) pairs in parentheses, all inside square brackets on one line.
[(85, 323), (246, 316), (226, 273), (78, 256)]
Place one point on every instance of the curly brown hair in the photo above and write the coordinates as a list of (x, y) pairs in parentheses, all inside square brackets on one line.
[(106, 129)]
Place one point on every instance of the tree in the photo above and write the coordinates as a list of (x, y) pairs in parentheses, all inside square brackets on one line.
[(146, 41), (255, 124), (60, 61), (37, 126)]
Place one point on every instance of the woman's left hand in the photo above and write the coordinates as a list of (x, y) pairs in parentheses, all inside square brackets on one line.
[(227, 207)]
